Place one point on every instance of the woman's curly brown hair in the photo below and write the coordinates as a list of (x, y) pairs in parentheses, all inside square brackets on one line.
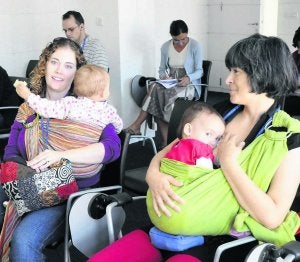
[(37, 76)]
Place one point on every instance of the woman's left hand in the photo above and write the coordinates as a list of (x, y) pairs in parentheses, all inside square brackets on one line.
[(43, 160), (184, 81)]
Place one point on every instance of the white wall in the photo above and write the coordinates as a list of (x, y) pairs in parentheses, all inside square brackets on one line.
[(144, 26), (288, 20), (30, 26), (132, 32), (268, 17), (228, 22)]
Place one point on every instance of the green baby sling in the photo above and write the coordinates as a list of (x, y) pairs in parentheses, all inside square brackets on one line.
[(210, 206)]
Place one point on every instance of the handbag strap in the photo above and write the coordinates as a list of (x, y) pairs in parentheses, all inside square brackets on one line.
[(45, 130)]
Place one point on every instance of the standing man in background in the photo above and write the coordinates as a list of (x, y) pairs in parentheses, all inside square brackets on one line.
[(93, 50)]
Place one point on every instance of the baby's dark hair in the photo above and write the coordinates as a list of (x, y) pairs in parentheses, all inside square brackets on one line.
[(192, 112)]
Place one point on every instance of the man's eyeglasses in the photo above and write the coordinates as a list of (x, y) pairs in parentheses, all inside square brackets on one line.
[(71, 29)]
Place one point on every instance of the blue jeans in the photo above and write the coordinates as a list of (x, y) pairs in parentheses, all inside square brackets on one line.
[(35, 231)]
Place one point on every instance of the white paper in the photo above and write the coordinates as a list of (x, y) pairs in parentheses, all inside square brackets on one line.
[(168, 83)]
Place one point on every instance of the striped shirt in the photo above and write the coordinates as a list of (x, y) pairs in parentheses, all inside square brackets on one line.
[(95, 53)]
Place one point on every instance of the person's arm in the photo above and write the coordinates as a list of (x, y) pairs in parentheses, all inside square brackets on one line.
[(47, 108), (12, 148), (160, 185), (59, 109), (163, 67), (269, 208), (106, 151), (194, 62), (22, 89), (116, 120)]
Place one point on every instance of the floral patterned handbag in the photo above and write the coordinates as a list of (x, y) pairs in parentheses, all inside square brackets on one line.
[(30, 190)]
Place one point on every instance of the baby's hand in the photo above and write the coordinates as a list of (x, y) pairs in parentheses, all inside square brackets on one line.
[(22, 89)]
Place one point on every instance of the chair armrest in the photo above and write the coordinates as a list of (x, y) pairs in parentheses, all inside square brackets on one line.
[(231, 244)]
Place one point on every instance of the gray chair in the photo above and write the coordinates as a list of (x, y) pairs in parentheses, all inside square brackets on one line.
[(206, 65), (31, 65), (139, 88), (94, 219), (7, 116), (85, 230), (180, 105), (132, 179), (205, 78), (266, 252)]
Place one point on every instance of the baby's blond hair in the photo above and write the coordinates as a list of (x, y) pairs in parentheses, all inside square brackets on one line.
[(90, 80)]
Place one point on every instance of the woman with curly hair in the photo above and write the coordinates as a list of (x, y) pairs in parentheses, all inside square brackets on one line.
[(30, 137)]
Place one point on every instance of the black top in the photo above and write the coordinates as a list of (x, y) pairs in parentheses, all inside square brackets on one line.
[(224, 107), (206, 252), (8, 95)]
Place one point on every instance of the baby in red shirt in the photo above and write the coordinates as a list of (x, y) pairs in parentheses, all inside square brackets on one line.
[(200, 130)]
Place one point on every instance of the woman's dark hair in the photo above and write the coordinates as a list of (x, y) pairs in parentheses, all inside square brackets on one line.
[(268, 63), (37, 77), (296, 38), (177, 27), (192, 112), (77, 16)]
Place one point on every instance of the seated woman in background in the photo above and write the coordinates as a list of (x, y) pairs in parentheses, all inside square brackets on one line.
[(181, 58), (53, 79), (256, 89)]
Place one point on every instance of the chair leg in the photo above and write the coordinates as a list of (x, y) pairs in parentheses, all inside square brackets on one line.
[(205, 93), (153, 145), (145, 132)]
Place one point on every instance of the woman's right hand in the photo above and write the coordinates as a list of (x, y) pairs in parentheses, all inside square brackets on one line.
[(44, 159), (160, 187), (162, 193)]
